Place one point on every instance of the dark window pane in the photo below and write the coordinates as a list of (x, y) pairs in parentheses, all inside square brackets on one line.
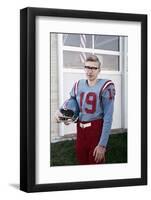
[(77, 40), (74, 60), (109, 62), (106, 42)]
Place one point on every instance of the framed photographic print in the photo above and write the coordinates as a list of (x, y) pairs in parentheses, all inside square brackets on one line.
[(83, 99)]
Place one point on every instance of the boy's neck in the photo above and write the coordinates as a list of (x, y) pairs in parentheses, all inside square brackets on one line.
[(92, 83)]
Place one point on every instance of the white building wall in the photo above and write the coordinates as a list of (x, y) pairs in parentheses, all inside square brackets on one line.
[(54, 83)]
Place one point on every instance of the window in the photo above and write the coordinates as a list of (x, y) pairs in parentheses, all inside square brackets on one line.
[(106, 42), (72, 59), (75, 40), (76, 47)]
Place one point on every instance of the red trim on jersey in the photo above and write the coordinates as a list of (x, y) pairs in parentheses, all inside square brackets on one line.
[(106, 84)]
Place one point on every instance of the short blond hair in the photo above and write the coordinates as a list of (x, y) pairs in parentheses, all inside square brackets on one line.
[(93, 58)]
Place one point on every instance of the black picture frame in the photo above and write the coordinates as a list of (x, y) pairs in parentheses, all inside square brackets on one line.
[(28, 99)]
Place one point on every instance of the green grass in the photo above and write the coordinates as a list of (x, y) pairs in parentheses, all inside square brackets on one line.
[(117, 152), (63, 153)]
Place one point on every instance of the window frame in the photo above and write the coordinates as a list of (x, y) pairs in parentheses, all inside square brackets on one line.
[(94, 51)]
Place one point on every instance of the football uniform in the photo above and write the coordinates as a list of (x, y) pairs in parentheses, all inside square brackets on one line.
[(95, 116)]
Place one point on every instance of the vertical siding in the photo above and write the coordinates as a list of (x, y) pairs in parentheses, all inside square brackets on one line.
[(54, 83)]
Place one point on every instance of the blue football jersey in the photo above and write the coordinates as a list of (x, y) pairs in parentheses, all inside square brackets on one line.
[(95, 102)]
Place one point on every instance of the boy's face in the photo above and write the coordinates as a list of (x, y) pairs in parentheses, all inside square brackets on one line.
[(92, 70)]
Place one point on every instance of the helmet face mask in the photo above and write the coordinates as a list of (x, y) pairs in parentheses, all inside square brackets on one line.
[(67, 114), (70, 111)]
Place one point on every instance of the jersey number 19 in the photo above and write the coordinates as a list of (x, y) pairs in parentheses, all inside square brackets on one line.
[(90, 99)]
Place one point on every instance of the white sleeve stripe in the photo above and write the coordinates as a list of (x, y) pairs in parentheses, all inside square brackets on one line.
[(76, 88), (106, 85), (65, 105)]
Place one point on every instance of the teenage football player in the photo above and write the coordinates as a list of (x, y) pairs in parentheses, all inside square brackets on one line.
[(95, 100)]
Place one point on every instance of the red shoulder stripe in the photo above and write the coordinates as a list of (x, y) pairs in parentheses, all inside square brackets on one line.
[(106, 85), (109, 81)]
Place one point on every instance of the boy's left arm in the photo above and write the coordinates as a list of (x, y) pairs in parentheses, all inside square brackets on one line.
[(107, 101), (108, 97)]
